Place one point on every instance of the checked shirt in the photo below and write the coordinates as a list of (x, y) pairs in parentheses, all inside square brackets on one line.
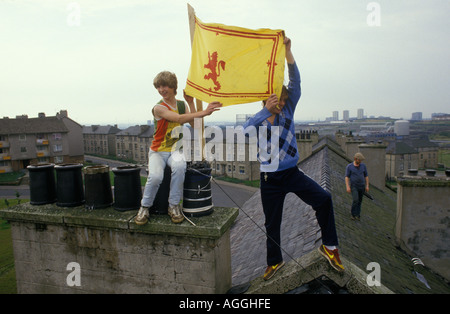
[(277, 143)]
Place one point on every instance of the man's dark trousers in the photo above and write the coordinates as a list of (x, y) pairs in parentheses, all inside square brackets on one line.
[(274, 187), (357, 196)]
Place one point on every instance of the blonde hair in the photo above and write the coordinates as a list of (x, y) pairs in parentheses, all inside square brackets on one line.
[(166, 78), (359, 156)]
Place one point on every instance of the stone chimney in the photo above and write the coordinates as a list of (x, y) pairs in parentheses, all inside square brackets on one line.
[(375, 162), (351, 146), (304, 144), (144, 128), (423, 223), (62, 114)]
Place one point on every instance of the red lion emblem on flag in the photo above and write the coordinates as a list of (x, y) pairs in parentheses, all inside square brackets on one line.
[(214, 66)]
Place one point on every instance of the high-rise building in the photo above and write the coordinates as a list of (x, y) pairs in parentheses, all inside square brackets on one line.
[(335, 115), (417, 116), (346, 115), (360, 114)]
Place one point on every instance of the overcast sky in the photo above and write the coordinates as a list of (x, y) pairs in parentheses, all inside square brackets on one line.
[(389, 57)]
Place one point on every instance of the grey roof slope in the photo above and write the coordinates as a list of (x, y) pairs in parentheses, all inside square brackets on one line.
[(137, 130), (100, 129), (361, 242), (32, 125)]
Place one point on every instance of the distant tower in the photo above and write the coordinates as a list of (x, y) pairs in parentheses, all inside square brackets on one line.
[(360, 114), (346, 115), (417, 116), (335, 115)]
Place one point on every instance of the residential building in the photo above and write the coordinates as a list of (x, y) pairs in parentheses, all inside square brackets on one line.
[(25, 141), (400, 157), (134, 143), (428, 152), (100, 139), (238, 158)]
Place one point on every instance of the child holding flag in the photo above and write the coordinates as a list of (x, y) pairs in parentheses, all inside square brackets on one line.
[(285, 177)]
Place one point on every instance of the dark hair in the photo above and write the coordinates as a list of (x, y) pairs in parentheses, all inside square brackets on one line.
[(284, 94)]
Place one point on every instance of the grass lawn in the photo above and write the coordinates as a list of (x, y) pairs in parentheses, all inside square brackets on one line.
[(7, 271), (10, 177)]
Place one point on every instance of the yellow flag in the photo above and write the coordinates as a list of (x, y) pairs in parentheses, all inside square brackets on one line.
[(235, 65)]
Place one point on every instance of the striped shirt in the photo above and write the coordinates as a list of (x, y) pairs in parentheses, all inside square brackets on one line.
[(162, 137)]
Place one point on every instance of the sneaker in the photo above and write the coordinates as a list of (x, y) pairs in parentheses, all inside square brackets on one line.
[(271, 270), (142, 216), (332, 256), (175, 213)]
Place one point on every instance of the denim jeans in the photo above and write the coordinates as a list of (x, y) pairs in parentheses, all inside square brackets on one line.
[(357, 196), (156, 163), (273, 193)]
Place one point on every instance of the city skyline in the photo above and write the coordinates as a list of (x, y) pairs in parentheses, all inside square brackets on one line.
[(97, 60)]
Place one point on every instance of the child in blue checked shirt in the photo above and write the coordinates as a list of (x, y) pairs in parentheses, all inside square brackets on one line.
[(280, 174)]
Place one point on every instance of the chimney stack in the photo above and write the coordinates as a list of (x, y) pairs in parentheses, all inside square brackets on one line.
[(422, 219), (375, 161)]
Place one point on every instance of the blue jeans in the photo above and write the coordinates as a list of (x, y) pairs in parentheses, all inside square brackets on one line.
[(273, 193), (357, 196), (156, 163)]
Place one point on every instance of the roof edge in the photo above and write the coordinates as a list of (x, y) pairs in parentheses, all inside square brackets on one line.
[(311, 266)]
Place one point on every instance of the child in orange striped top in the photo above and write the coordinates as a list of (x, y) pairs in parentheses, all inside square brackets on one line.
[(168, 114)]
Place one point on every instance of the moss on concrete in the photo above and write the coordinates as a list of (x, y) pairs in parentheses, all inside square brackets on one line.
[(210, 226)]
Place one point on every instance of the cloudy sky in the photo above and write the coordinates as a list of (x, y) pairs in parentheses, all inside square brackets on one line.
[(97, 58)]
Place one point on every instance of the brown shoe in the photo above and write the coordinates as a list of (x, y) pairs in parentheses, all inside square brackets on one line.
[(142, 216), (175, 213)]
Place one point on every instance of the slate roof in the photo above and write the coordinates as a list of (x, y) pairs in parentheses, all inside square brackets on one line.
[(137, 130), (100, 129), (361, 242), (32, 125)]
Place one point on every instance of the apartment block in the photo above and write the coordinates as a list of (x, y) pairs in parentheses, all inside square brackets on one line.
[(100, 139), (25, 141), (134, 143)]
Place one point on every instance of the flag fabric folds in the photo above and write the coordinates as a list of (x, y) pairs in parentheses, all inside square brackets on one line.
[(235, 65)]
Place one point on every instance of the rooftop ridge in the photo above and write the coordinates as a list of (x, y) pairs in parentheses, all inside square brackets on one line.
[(325, 176)]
